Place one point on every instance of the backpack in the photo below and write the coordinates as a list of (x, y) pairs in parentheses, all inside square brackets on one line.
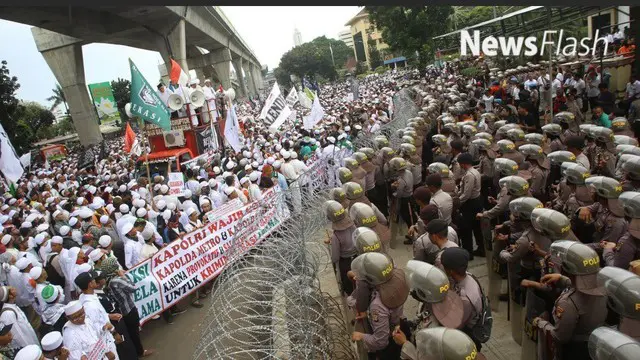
[(482, 329)]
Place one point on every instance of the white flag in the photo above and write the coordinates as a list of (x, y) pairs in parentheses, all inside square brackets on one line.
[(317, 113), (9, 162), (292, 98), (284, 115), (232, 130), (25, 160), (273, 95)]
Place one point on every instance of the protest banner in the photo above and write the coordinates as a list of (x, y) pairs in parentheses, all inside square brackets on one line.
[(186, 264), (206, 138), (275, 92), (277, 113), (292, 98), (317, 113), (176, 183), (104, 102), (226, 208)]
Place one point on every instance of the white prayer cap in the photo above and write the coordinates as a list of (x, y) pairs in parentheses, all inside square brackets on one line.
[(294, 155), (83, 268), (110, 208), (95, 255), (207, 80), (131, 184), (204, 201), (11, 213), (35, 272), (141, 213), (166, 215), (230, 165), (270, 160), (104, 219), (26, 224), (29, 352), (331, 139), (73, 221), (40, 238), (4, 219), (282, 152), (226, 173), (229, 190), (156, 187), (138, 203), (22, 263), (190, 211), (31, 217), (4, 207), (171, 206), (127, 227), (104, 241), (254, 176), (73, 307), (286, 155), (188, 194), (56, 240), (277, 164), (347, 128), (92, 189), (135, 196), (161, 204), (212, 183), (42, 227), (64, 230), (12, 201), (122, 188), (247, 167), (124, 208), (164, 188), (358, 127), (244, 180), (342, 136), (51, 341), (85, 212), (278, 147), (203, 184), (216, 170), (80, 201)]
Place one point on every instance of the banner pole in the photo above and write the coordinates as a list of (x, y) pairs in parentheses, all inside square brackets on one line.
[(147, 142)]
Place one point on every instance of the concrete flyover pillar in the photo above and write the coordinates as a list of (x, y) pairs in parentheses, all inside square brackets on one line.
[(257, 77), (63, 54), (177, 43), (237, 64), (200, 75), (248, 76), (220, 60)]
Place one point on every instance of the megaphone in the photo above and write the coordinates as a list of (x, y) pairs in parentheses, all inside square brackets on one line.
[(197, 98), (175, 102), (230, 94), (127, 110)]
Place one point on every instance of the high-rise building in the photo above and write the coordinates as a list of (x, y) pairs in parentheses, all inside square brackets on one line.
[(297, 37), (345, 36)]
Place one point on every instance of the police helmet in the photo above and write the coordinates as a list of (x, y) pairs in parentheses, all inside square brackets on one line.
[(558, 157), (500, 123), (363, 215), (506, 167), (366, 240), (482, 144), (334, 211), (351, 163), (338, 194), (439, 139), (353, 190), (606, 187), (602, 134), (345, 175), (397, 164), (630, 201), (522, 207), (627, 149), (484, 135), (574, 173), (534, 138), (551, 223), (429, 282), (408, 149), (552, 129), (622, 290), (372, 267), (624, 140), (502, 130), (439, 168), (387, 152), (609, 344), (444, 343), (516, 186), (531, 151), (515, 135), (619, 124), (381, 141), (488, 117), (408, 140), (565, 117), (577, 258), (469, 130), (369, 152), (506, 146), (360, 157)]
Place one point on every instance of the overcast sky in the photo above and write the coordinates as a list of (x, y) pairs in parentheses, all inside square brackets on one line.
[(267, 30)]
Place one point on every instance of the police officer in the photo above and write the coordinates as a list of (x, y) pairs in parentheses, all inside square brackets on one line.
[(440, 199), (627, 248), (364, 157), (437, 231), (539, 167), (553, 132), (606, 211), (403, 189), (342, 245), (455, 262), (622, 289), (631, 170), (582, 307), (385, 309), (355, 193), (365, 240), (573, 192), (608, 344), (507, 150), (470, 205), (604, 161), (338, 194), (358, 172), (344, 175), (365, 215), (448, 185)]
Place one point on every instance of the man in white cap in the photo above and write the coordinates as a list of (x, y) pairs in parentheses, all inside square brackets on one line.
[(29, 352), (288, 170), (52, 347), (132, 245), (52, 307), (80, 336), (52, 262), (23, 333), (254, 190), (210, 114)]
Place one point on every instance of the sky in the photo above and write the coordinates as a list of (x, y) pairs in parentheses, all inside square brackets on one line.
[(268, 31)]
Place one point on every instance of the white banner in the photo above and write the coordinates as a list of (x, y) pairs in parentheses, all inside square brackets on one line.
[(25, 160), (304, 100), (176, 184), (9, 162), (285, 113), (275, 92), (317, 113), (186, 264), (232, 130), (292, 98)]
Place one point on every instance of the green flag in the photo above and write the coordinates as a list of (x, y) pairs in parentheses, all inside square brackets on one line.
[(145, 103), (309, 94)]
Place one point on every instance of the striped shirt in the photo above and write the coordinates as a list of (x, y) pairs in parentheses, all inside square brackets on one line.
[(122, 290)]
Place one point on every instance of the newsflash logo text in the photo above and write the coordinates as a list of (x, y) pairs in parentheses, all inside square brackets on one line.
[(528, 46)]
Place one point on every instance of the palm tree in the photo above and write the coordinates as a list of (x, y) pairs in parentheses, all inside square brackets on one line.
[(58, 98)]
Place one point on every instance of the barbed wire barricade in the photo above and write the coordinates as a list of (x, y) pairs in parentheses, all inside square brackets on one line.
[(267, 302)]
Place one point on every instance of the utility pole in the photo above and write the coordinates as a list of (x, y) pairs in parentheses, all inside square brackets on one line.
[(332, 59), (494, 12)]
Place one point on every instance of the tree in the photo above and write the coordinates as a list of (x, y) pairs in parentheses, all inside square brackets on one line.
[(121, 89), (31, 119), (8, 102), (282, 77), (58, 98), (375, 58), (65, 126), (408, 30)]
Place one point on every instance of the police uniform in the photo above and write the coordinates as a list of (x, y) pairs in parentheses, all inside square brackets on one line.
[(470, 205), (622, 290), (342, 247), (627, 248)]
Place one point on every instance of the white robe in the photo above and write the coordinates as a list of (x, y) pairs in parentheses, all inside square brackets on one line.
[(80, 339), (23, 333)]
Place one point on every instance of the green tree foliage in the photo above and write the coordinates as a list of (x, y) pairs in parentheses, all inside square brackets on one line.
[(313, 59), (121, 89), (408, 30), (282, 77), (33, 121), (375, 57), (58, 98), (8, 101), (361, 67)]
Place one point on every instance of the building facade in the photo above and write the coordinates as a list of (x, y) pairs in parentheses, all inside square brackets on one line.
[(345, 37), (362, 32), (297, 37)]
